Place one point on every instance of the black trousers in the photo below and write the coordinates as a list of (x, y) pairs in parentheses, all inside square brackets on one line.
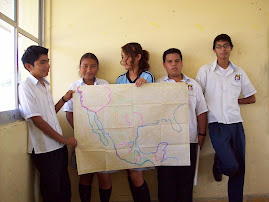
[(54, 177), (175, 183)]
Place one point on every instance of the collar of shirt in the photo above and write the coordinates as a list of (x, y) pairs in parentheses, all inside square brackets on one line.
[(127, 76), (215, 66), (82, 83), (184, 78), (35, 81)]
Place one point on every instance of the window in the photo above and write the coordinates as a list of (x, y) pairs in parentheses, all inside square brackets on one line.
[(21, 25)]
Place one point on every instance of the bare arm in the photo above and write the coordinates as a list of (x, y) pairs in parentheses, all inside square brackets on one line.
[(248, 100), (49, 131), (69, 117), (66, 97), (202, 120)]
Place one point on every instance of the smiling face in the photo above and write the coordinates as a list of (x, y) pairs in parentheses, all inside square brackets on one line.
[(130, 63), (88, 69), (173, 65), (223, 50), (126, 61), (41, 67)]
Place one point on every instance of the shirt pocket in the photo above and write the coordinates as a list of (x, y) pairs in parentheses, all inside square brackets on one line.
[(236, 88)]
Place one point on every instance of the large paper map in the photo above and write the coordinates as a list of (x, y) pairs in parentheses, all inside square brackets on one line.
[(124, 126)]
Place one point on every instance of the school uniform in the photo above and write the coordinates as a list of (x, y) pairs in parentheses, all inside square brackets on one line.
[(175, 183), (125, 79), (49, 156), (140, 194), (68, 107), (222, 89), (85, 190)]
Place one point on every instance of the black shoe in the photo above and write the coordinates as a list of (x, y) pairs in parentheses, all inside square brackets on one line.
[(216, 172)]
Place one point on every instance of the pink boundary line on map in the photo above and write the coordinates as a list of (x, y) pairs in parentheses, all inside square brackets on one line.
[(141, 117), (80, 92), (124, 144), (163, 152), (139, 156), (128, 149), (116, 147)]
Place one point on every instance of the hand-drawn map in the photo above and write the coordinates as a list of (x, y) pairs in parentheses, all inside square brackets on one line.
[(121, 126)]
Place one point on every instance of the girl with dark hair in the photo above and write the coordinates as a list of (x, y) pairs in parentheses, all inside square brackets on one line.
[(88, 68), (135, 61)]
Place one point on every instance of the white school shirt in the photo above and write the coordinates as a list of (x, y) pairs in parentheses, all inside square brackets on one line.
[(36, 100), (68, 106), (224, 71), (222, 92), (197, 104)]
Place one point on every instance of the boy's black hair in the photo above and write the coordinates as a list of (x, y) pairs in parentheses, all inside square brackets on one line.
[(171, 50), (32, 54), (222, 37)]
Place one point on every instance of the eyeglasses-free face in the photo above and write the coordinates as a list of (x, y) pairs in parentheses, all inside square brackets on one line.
[(173, 65), (128, 62), (88, 69)]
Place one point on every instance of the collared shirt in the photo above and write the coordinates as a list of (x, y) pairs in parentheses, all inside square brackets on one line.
[(222, 92), (124, 78), (36, 100), (224, 71), (68, 106), (197, 104)]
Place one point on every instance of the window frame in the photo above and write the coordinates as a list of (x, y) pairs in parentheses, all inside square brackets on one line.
[(14, 115)]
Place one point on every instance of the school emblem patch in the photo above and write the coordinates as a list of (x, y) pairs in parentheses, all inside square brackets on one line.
[(190, 88), (237, 77)]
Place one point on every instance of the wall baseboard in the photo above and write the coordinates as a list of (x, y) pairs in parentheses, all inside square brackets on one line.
[(248, 196)]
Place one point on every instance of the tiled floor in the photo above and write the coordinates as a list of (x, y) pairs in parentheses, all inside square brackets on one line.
[(249, 199)]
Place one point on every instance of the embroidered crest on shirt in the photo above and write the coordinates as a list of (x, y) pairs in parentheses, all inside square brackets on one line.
[(237, 77), (190, 87)]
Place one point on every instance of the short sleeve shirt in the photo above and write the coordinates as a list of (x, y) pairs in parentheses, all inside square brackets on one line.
[(36, 100), (197, 104), (68, 106), (124, 78), (222, 92)]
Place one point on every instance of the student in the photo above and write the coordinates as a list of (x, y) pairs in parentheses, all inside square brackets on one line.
[(46, 144), (88, 68), (222, 82), (135, 61), (175, 183)]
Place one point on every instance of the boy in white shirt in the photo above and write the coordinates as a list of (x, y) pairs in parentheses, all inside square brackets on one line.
[(46, 144), (222, 83), (175, 183)]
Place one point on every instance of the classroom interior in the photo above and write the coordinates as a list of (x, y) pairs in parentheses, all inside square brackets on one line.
[(72, 28)]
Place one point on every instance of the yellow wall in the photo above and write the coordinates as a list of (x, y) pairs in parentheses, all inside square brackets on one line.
[(16, 170), (102, 27)]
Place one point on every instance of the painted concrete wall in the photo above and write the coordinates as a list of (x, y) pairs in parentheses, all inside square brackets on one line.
[(102, 27), (16, 170)]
